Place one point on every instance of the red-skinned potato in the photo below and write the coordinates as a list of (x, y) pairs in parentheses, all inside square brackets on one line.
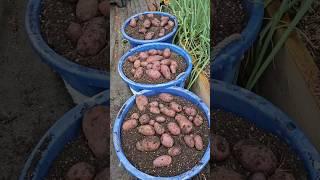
[(170, 24), (86, 9), (146, 130), (162, 161), (175, 106), (166, 97), (137, 64), (174, 151), (74, 32), (255, 157), (166, 53), (163, 23), (198, 143), (142, 30), (133, 22), (190, 111), (135, 116), (222, 173), (143, 55), (153, 74), (132, 59), (144, 64), (154, 58), (147, 23), (155, 22), (159, 52), (188, 139), (173, 128), (165, 71), (153, 52), (281, 175), (149, 143), (184, 124), (160, 119), (150, 15), (104, 7), (144, 119), (162, 32), (173, 66), (149, 66), (142, 102), (168, 112), (154, 103), (129, 124), (220, 148), (164, 18), (167, 27), (156, 66), (149, 35), (138, 73), (158, 128), (166, 62), (198, 120), (151, 122), (258, 176), (154, 110), (166, 140), (81, 171)]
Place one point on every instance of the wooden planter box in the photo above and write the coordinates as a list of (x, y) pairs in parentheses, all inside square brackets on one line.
[(293, 83)]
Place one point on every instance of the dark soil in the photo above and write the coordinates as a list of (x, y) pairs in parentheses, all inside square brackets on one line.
[(180, 164), (182, 66), (74, 152), (234, 129), (55, 18), (134, 32), (229, 17)]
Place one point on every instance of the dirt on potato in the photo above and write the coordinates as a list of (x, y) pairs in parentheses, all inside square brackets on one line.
[(234, 129), (229, 17), (182, 66), (55, 18), (143, 161)]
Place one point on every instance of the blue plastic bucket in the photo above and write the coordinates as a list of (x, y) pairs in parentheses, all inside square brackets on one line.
[(179, 81), (66, 129), (87, 81), (266, 116), (189, 96), (136, 42), (226, 63)]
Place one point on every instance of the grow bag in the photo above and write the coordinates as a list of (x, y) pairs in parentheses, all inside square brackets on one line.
[(126, 108), (226, 63), (52, 143), (87, 81), (269, 118), (166, 38), (179, 81)]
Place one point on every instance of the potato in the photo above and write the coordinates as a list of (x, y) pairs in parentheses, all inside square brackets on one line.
[(220, 148), (175, 106), (129, 124), (166, 53), (143, 55), (170, 24), (168, 112), (135, 116), (158, 128), (151, 122), (281, 175), (160, 119), (156, 66), (93, 38), (190, 111), (154, 110), (162, 32), (255, 157), (167, 140), (132, 59), (167, 27), (166, 62), (141, 17), (149, 143), (173, 66), (133, 22), (160, 52), (104, 7), (147, 23), (222, 173), (141, 102), (74, 32), (142, 30), (149, 66), (154, 58), (146, 130), (153, 74), (165, 71), (163, 23), (166, 97), (150, 15), (173, 128), (198, 120), (162, 161), (152, 52), (86, 9), (103, 175), (149, 35), (198, 143), (81, 171), (164, 18), (190, 118), (174, 151), (154, 103), (138, 73), (188, 139), (155, 22), (137, 64), (258, 176), (161, 105), (144, 64), (184, 124), (144, 119)]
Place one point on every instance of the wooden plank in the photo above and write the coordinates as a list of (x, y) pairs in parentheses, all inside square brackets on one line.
[(202, 88)]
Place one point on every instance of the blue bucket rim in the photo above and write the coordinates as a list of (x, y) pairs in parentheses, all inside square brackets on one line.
[(117, 139), (172, 47), (32, 25), (138, 41), (63, 121), (304, 149)]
